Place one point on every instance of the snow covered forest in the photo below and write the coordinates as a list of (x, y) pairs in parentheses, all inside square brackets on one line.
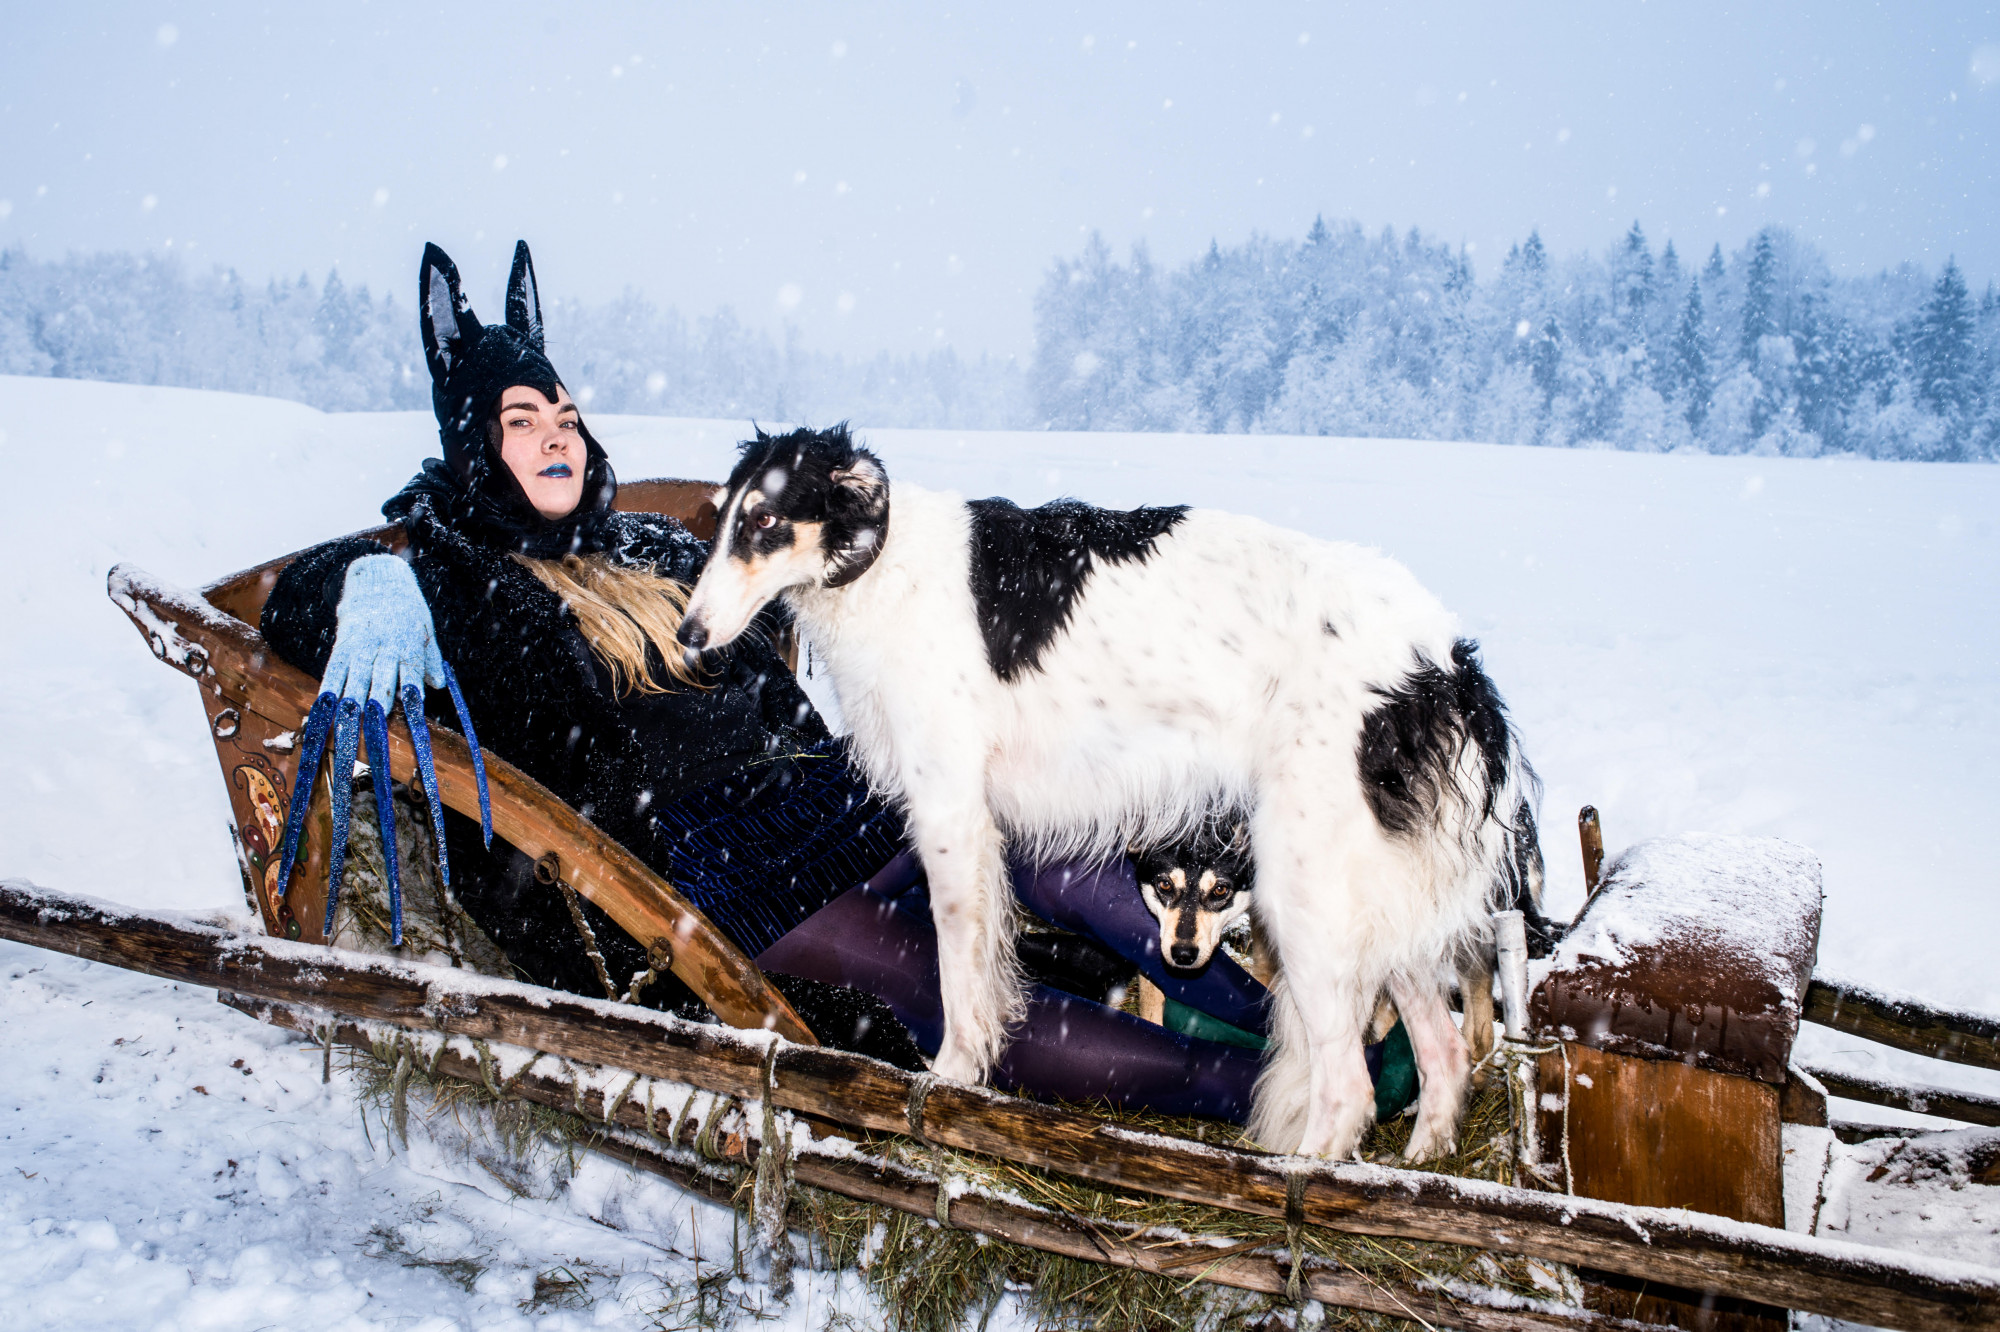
[(1763, 351), (142, 319), (1344, 333)]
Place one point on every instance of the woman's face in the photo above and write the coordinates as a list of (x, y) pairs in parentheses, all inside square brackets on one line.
[(542, 444)]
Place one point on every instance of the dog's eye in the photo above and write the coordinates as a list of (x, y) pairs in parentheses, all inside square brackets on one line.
[(767, 520), (1223, 888)]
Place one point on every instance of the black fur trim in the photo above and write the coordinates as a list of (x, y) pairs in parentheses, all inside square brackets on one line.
[(1073, 964), (849, 1019), (1029, 565), (1411, 743)]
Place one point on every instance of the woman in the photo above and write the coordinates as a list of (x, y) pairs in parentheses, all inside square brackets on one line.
[(553, 609)]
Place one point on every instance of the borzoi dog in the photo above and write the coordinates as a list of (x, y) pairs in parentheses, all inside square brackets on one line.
[(1077, 680)]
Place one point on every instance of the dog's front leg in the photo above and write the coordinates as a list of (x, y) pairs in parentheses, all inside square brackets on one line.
[(1442, 1064), (973, 909)]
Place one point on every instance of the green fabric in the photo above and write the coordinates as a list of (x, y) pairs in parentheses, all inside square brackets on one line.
[(1397, 1086), (1177, 1016), (1395, 1089)]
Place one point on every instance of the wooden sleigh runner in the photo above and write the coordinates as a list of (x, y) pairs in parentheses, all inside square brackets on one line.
[(759, 1101)]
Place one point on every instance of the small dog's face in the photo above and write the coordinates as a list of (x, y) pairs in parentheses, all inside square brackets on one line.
[(804, 509), (1197, 889)]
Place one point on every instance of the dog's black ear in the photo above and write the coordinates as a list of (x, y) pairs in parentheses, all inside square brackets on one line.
[(524, 298), (857, 517), (445, 316)]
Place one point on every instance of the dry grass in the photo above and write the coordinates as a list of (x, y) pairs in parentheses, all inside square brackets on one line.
[(936, 1279)]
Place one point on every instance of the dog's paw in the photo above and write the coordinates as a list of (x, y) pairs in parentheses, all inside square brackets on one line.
[(1337, 1133), (958, 1066), (1430, 1141)]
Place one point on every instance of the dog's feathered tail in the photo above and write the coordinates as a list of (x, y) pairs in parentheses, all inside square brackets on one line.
[(1442, 766)]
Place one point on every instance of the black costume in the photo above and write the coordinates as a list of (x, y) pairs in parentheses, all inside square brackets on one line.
[(733, 792)]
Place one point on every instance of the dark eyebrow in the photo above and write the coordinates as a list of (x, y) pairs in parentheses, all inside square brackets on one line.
[(523, 406)]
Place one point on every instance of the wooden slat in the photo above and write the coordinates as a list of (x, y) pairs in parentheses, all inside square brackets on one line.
[(908, 1190), (226, 656), (1966, 1107), (1905, 1024), (1873, 1286)]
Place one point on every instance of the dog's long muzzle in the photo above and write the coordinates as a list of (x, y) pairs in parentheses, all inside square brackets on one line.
[(1181, 940)]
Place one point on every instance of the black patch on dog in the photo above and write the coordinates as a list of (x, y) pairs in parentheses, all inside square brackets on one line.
[(1411, 743), (1029, 565)]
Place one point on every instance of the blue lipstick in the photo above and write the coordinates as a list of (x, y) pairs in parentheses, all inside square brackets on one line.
[(555, 470)]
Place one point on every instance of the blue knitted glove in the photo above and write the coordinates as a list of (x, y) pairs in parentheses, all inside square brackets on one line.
[(384, 652), (385, 639)]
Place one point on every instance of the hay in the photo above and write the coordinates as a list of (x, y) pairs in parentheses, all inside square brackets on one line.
[(932, 1278), (928, 1277), (435, 928)]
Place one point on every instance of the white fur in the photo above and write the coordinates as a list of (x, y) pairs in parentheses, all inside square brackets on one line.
[(1205, 673)]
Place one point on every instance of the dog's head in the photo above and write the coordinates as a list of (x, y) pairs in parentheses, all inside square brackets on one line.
[(809, 508), (1197, 888)]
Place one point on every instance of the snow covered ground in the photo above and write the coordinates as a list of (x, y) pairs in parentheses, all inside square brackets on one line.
[(1801, 649)]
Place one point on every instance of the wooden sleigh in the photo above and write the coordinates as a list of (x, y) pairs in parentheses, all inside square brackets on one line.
[(700, 1103)]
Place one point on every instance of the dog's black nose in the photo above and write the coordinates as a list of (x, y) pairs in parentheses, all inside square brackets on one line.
[(1183, 955), (692, 634)]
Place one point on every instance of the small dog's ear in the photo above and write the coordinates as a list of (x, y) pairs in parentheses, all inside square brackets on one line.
[(445, 316), (524, 298), (857, 517)]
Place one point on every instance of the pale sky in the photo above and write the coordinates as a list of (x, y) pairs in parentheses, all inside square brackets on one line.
[(899, 176)]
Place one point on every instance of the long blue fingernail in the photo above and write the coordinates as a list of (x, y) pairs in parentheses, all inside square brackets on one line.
[(375, 725), (312, 744), (420, 744), (340, 793), (478, 761)]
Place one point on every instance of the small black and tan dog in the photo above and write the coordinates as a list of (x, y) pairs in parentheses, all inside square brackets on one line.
[(1197, 888)]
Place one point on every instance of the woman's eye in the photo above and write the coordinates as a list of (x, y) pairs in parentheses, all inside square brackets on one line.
[(767, 520)]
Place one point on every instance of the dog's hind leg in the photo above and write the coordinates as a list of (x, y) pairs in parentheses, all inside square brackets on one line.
[(1284, 1089), (1314, 1095), (1442, 1064), (1310, 881)]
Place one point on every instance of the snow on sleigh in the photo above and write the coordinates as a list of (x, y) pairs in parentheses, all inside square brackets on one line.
[(1624, 1168)]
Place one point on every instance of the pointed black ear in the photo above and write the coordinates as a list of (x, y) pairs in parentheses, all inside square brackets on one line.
[(524, 299), (445, 316)]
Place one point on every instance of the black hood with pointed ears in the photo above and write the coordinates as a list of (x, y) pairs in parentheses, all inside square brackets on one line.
[(471, 365)]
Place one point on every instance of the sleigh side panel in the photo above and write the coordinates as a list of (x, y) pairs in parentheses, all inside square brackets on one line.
[(261, 702)]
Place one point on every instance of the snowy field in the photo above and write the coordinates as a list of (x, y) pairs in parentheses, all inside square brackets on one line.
[(1800, 649)]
